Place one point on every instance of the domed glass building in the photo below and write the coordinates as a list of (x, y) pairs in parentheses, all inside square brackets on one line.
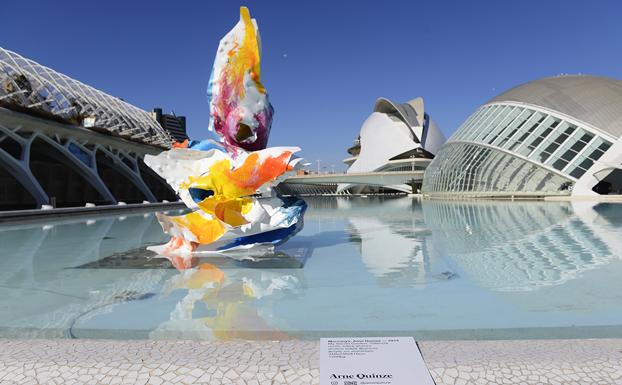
[(553, 136)]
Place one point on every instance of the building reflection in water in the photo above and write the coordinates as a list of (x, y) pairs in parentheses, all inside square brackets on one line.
[(393, 241), (78, 278), (42, 293), (501, 245), (522, 246)]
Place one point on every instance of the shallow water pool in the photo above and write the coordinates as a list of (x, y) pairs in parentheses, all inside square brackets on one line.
[(361, 266)]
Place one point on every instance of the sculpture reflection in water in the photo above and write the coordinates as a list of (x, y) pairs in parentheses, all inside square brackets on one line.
[(57, 288), (220, 182), (222, 304), (220, 297)]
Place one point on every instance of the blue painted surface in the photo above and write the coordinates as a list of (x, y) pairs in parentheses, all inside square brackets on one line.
[(81, 154), (293, 209), (205, 145), (199, 194)]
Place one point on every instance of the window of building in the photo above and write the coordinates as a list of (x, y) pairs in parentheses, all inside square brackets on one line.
[(515, 126), (484, 123), (504, 126), (587, 157), (531, 127), (494, 122), (463, 129)]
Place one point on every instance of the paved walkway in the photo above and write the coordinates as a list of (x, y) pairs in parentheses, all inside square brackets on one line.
[(297, 362), (567, 362)]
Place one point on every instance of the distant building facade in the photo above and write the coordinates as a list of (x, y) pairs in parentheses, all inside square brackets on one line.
[(394, 146), (64, 143), (395, 137), (175, 125), (554, 136)]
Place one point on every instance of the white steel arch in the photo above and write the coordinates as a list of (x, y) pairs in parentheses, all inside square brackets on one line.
[(28, 85)]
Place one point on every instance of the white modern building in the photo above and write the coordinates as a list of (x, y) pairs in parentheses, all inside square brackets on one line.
[(395, 137), (553, 136), (64, 143)]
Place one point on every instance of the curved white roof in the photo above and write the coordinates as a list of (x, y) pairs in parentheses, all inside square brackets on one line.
[(412, 112), (591, 99), (31, 86)]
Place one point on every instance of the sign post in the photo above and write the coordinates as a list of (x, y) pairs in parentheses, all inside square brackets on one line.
[(372, 361)]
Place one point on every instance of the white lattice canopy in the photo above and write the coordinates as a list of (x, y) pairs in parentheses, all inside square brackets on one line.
[(30, 87)]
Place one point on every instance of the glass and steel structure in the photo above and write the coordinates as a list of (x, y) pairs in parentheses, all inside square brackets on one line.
[(28, 86), (510, 147)]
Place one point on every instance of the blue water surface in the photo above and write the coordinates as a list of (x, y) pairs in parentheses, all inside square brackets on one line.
[(360, 266)]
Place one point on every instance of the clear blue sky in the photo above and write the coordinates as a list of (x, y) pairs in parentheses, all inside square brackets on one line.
[(324, 62)]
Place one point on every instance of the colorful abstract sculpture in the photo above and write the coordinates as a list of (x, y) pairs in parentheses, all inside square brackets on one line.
[(228, 187), (240, 110)]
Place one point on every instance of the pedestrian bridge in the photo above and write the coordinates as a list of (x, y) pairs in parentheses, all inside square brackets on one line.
[(381, 178)]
